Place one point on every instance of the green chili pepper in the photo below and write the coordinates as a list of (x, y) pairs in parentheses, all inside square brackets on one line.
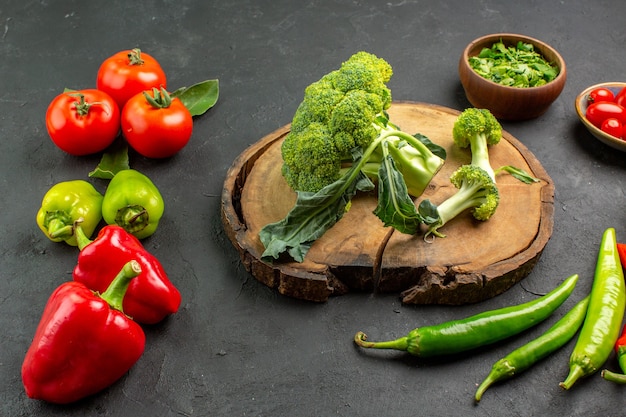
[(488, 327), (620, 351), (526, 356), (133, 202), (64, 204), (604, 314)]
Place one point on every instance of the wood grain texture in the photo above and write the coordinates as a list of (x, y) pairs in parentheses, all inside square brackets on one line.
[(476, 261)]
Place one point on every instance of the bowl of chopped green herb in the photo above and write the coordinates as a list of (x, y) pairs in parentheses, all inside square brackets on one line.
[(516, 77)]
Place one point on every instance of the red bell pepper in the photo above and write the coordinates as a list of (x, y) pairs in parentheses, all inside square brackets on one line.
[(83, 343), (150, 297)]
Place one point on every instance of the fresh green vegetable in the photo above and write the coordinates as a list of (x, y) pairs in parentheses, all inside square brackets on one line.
[(342, 113), (526, 356), (133, 202), (340, 140), (604, 314), (476, 182), (476, 191), (477, 129), (482, 329), (514, 66), (66, 203)]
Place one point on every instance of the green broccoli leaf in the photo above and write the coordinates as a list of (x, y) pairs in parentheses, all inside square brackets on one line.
[(395, 207), (312, 215)]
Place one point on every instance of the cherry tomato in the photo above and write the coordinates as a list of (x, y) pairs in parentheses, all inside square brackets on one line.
[(128, 73), (620, 97), (598, 112), (613, 127), (83, 122), (600, 94), (156, 125)]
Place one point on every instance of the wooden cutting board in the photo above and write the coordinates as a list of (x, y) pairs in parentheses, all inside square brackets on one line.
[(477, 260)]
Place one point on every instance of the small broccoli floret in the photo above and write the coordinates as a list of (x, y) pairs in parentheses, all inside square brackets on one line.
[(476, 191), (477, 128)]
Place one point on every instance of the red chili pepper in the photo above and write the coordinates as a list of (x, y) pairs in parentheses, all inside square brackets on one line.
[(621, 250), (83, 343), (151, 296)]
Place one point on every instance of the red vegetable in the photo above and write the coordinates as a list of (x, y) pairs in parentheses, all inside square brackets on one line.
[(612, 126), (155, 124), (129, 72), (150, 297), (598, 112), (83, 122), (83, 343), (600, 94), (621, 250), (620, 97)]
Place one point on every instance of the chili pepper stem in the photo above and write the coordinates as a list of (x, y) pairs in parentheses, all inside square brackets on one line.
[(501, 371), (360, 339), (576, 372), (114, 294), (613, 376)]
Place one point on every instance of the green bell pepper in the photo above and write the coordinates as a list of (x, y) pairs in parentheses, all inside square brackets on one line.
[(64, 204), (133, 202)]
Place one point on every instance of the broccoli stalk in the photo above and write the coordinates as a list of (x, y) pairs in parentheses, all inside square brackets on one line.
[(476, 192)]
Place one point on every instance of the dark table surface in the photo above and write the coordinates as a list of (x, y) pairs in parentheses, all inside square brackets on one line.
[(236, 347)]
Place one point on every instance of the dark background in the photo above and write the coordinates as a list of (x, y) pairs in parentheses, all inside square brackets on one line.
[(237, 348)]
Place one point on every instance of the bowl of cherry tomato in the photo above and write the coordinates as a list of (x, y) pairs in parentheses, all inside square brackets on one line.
[(602, 109)]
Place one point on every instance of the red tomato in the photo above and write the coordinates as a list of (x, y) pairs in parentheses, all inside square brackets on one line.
[(620, 97), (83, 122), (128, 73), (598, 112), (155, 125), (613, 127), (600, 94)]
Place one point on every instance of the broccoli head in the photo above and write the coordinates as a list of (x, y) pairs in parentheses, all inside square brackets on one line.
[(477, 128), (476, 191), (341, 115)]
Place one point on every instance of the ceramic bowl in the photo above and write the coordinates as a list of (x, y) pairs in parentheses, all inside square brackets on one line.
[(581, 104), (505, 102)]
